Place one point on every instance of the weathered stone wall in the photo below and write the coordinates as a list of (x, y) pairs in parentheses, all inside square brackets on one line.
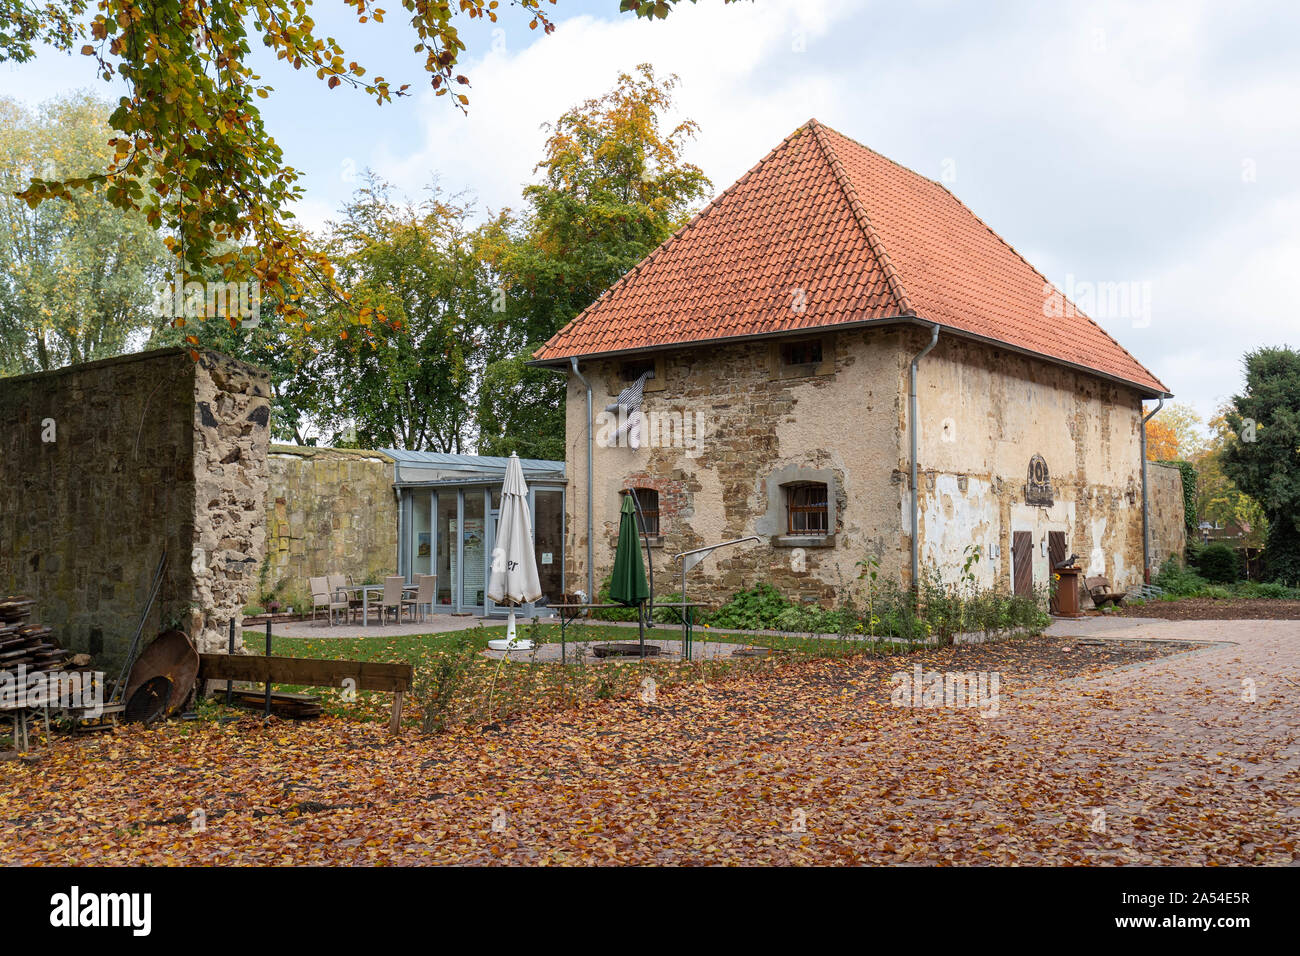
[(1165, 507), (103, 466), (231, 427), (748, 422), (984, 413), (329, 511)]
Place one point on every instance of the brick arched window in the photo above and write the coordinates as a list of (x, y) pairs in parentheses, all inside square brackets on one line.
[(648, 498)]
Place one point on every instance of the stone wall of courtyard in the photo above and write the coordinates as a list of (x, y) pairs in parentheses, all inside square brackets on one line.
[(328, 511), (106, 465), (1165, 510)]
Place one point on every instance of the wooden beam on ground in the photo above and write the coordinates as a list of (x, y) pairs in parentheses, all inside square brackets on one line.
[(395, 679)]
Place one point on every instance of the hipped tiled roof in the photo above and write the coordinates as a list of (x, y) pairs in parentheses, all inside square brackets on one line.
[(823, 232)]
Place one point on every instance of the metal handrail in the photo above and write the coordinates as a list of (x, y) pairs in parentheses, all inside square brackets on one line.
[(687, 563)]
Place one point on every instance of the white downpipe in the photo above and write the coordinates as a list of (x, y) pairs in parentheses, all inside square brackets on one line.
[(912, 428), (591, 571)]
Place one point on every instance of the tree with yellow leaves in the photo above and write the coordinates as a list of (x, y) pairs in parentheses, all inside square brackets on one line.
[(76, 277)]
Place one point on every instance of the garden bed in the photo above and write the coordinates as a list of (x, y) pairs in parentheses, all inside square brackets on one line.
[(1215, 609)]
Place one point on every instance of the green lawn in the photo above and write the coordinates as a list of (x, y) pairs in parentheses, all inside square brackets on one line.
[(519, 684), (420, 648)]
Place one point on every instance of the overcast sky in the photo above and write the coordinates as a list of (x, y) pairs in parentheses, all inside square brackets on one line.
[(1151, 144)]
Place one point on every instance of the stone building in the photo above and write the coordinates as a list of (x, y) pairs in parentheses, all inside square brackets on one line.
[(836, 352)]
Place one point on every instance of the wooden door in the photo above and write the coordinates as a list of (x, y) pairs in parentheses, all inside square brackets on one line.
[(1055, 555), (1022, 562), (1055, 548)]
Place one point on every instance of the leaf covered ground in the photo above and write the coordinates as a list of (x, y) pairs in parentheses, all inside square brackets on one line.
[(1162, 760)]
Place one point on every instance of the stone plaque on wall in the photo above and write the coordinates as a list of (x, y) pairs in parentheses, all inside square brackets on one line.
[(1038, 483)]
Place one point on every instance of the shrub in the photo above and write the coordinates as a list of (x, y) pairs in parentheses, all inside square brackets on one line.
[(1219, 564), (1177, 581), (441, 688), (1272, 590), (760, 608), (889, 610)]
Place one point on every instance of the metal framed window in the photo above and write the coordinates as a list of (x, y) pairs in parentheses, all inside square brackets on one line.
[(806, 352), (806, 508), (631, 371), (648, 498)]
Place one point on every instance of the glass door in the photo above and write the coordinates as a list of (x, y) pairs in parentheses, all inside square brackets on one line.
[(548, 538), (422, 533), (445, 543), (473, 548)]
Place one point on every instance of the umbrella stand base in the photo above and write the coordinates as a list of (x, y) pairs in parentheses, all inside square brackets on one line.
[(511, 642), (509, 645)]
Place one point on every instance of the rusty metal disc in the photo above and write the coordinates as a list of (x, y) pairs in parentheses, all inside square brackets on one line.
[(625, 649), (148, 702), (171, 655)]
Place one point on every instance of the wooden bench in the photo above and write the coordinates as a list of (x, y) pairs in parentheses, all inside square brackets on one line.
[(1100, 591)]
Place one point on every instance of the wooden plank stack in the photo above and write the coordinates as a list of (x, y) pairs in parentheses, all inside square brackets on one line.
[(283, 704), (31, 645)]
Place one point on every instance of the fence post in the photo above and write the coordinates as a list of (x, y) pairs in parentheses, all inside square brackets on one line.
[(268, 675), (230, 649)]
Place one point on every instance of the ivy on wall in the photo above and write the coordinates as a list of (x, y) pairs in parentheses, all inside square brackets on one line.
[(1189, 494)]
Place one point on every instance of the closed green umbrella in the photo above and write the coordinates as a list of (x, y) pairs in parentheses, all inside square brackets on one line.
[(628, 585)]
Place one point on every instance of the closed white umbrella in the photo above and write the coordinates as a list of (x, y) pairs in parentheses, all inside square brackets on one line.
[(514, 578)]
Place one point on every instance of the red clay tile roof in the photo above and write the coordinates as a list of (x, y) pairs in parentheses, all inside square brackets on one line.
[(822, 232)]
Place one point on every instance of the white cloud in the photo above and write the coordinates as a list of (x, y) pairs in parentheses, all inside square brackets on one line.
[(1105, 140), (1233, 292), (741, 80)]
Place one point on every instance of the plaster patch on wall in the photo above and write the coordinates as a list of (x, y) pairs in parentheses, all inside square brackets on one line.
[(953, 519), (1097, 558)]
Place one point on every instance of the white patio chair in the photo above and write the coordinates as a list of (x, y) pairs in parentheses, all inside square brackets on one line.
[(394, 586), (341, 589)]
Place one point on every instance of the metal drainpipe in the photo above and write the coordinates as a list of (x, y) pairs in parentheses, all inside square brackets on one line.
[(397, 494), (591, 571), (1146, 521), (911, 425)]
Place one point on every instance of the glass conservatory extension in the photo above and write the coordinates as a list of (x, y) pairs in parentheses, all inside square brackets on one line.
[(447, 519)]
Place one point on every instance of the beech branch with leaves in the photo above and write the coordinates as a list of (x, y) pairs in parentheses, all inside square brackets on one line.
[(191, 151)]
